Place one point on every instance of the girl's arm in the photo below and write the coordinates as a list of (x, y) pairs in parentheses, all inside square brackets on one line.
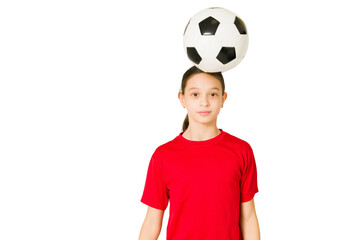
[(248, 221), (151, 227)]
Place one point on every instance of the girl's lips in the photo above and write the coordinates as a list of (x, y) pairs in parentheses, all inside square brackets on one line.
[(204, 113)]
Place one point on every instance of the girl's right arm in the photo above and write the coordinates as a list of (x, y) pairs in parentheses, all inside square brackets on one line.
[(151, 227)]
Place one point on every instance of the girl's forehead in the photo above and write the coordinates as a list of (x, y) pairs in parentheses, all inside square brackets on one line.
[(202, 80)]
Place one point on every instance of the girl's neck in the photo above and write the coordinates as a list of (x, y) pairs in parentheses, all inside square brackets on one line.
[(201, 134)]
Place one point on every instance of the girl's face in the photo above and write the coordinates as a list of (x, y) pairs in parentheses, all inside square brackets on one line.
[(203, 93)]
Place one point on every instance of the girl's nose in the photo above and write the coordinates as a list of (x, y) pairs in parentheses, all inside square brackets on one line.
[(204, 101)]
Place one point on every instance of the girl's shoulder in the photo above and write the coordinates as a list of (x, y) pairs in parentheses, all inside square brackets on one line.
[(236, 140), (167, 144)]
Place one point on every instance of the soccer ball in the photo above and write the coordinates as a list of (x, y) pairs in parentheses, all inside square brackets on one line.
[(215, 40)]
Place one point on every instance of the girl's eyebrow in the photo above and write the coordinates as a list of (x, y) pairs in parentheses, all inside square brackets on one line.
[(211, 88)]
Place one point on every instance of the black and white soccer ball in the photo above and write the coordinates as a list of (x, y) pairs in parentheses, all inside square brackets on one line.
[(215, 40)]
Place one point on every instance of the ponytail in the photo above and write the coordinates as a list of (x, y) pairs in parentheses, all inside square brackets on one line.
[(185, 123)]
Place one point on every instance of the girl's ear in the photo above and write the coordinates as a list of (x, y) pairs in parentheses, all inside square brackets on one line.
[(224, 98), (181, 98)]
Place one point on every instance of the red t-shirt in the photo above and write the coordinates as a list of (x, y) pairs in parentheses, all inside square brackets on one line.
[(205, 182)]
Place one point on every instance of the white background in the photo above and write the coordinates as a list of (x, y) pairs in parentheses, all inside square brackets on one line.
[(88, 90)]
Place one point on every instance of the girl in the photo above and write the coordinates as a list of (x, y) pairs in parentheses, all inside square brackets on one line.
[(208, 175)]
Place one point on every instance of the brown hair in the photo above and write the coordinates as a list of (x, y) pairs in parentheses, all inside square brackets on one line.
[(191, 71)]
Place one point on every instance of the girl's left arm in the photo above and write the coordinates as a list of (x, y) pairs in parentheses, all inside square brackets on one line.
[(248, 221)]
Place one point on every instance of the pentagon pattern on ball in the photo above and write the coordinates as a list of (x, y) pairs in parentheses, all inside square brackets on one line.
[(209, 26), (226, 55), (193, 55), (240, 25)]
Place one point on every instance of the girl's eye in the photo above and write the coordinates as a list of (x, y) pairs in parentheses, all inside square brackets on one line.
[(210, 93)]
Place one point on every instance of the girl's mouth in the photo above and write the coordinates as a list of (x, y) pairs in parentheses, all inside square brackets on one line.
[(204, 113)]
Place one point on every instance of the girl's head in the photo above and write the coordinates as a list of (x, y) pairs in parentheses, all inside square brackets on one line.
[(202, 91)]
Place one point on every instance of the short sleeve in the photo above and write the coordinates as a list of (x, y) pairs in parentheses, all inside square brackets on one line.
[(155, 192), (248, 183)]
